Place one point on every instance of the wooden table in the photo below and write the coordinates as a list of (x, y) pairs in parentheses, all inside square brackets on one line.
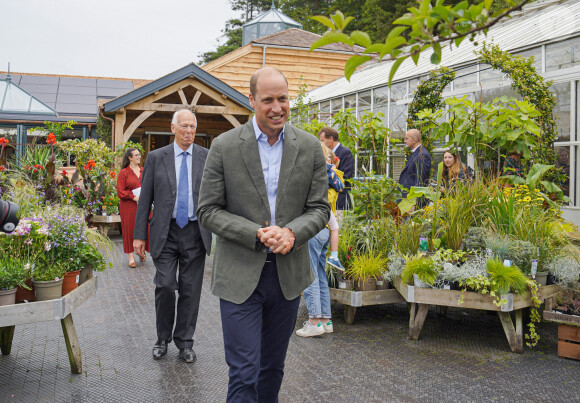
[(354, 299), (43, 311), (103, 222), (421, 298)]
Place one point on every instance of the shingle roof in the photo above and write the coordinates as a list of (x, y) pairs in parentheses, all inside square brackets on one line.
[(298, 38)]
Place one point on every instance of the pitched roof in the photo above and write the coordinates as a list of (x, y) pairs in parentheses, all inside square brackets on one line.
[(301, 39), (190, 70)]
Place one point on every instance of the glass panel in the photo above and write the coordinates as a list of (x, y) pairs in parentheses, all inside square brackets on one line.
[(250, 33), (399, 91), (563, 54), (364, 102), (562, 109), (313, 111), (398, 120), (38, 107), (324, 115), (465, 77), (336, 105), (350, 102), (563, 161), (16, 100), (381, 103), (537, 54), (490, 94), (489, 77)]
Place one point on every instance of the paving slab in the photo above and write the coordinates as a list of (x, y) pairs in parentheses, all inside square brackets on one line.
[(462, 356)]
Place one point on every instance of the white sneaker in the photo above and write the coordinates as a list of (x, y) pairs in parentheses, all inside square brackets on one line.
[(328, 327), (310, 330)]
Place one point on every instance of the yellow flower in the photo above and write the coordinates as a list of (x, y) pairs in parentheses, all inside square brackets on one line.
[(527, 198)]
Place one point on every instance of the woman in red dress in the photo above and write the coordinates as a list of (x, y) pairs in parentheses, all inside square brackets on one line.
[(128, 180)]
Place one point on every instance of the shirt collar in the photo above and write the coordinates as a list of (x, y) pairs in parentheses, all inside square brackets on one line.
[(259, 133), (178, 150), (336, 147), (413, 150)]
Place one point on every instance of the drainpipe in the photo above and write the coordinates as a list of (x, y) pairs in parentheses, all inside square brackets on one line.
[(264, 55), (112, 126)]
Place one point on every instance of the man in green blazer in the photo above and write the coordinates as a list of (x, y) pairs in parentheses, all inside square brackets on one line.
[(264, 194)]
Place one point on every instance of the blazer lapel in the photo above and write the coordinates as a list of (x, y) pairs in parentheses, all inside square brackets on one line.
[(251, 156), (196, 169), (289, 155), (169, 161)]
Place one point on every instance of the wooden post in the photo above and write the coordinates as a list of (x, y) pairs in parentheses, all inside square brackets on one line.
[(6, 336), (349, 313), (417, 317), (514, 334), (120, 119), (72, 344)]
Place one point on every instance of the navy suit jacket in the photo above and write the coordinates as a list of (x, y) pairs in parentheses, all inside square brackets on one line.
[(346, 165), (417, 169)]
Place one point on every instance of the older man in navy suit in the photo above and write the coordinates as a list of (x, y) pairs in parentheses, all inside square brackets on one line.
[(418, 167)]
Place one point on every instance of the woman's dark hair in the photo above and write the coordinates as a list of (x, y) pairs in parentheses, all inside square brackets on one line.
[(128, 153)]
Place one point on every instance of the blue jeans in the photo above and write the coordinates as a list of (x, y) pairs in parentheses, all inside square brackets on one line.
[(316, 295)]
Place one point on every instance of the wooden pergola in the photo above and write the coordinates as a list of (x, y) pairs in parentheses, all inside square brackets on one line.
[(147, 111)]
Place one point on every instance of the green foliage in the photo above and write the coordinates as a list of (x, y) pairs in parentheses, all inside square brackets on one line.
[(13, 272), (519, 252), (422, 266), (369, 264), (374, 196), (121, 148), (233, 40), (104, 131), (474, 239), (428, 96), (458, 213), (533, 181), (301, 115), (56, 128), (507, 279), (534, 89), (427, 26), (407, 237)]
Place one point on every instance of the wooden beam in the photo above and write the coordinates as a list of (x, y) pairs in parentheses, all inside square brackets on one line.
[(72, 344), (136, 123), (6, 336), (120, 119), (232, 120), (182, 97), (195, 98), (417, 319), (209, 109)]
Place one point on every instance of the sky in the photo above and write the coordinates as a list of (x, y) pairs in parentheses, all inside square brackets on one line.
[(143, 39)]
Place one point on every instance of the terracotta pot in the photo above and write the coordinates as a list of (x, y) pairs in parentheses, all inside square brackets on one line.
[(367, 284), (22, 294), (46, 290), (86, 273), (8, 297), (70, 281)]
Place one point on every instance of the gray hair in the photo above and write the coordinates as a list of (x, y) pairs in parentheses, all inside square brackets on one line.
[(415, 135), (174, 119)]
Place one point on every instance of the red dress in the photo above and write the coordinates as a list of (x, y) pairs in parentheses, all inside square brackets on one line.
[(126, 182)]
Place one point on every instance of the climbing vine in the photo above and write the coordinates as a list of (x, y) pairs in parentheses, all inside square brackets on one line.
[(428, 96), (534, 89)]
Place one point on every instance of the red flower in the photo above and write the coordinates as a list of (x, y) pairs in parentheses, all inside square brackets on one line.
[(63, 173), (90, 165), (112, 173), (336, 159), (2, 168), (50, 139), (3, 141)]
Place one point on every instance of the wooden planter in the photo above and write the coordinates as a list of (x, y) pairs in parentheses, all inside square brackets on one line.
[(568, 333), (354, 299), (421, 298), (105, 221)]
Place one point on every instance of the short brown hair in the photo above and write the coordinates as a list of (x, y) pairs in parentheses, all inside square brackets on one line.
[(329, 132), (255, 76)]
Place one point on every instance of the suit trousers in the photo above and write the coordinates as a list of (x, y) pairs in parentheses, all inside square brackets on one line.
[(256, 337), (179, 268)]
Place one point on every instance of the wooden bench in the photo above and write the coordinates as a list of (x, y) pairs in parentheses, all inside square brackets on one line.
[(43, 311), (422, 298), (103, 222), (354, 299)]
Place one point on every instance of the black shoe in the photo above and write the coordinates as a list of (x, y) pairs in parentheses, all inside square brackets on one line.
[(187, 355), (159, 349)]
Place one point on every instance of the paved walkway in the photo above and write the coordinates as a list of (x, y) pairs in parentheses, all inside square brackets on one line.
[(462, 357)]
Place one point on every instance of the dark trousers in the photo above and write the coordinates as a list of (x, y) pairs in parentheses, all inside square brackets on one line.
[(179, 268), (256, 336)]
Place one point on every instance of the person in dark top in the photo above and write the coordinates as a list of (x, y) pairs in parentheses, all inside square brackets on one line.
[(453, 170), (417, 169)]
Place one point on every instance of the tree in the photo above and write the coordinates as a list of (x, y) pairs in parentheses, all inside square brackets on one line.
[(424, 27)]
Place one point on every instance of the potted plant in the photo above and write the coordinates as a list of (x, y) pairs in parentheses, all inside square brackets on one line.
[(47, 280), (419, 270), (13, 273), (365, 269)]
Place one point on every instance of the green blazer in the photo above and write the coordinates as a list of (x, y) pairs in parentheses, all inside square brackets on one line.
[(233, 204)]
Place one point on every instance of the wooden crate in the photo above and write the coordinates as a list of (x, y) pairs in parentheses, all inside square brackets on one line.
[(569, 341)]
